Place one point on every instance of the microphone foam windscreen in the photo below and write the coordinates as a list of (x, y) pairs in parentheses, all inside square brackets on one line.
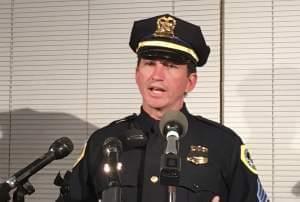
[(112, 143), (175, 117)]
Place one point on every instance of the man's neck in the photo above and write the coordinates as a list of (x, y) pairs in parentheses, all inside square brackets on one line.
[(157, 113)]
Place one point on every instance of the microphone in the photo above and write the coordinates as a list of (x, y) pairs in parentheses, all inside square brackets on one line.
[(59, 149), (112, 148), (173, 126)]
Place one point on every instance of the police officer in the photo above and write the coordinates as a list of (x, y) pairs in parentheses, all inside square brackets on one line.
[(215, 164)]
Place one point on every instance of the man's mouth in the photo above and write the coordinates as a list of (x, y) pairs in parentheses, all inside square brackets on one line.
[(157, 89)]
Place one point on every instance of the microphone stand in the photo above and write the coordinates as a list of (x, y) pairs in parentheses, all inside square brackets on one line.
[(4, 192), (111, 169), (113, 192), (172, 193), (170, 173), (23, 189)]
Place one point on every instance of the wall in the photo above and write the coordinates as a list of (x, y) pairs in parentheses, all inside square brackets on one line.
[(66, 69)]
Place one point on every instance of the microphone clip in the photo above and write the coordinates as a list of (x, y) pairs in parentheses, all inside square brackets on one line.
[(170, 169), (24, 188)]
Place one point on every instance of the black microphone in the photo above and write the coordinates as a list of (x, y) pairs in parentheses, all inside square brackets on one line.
[(173, 126), (112, 148), (59, 149)]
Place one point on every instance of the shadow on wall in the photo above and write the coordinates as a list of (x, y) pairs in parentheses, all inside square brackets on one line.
[(29, 134), (268, 105), (296, 189)]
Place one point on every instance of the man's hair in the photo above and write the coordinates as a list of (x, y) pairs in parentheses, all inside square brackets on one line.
[(190, 66)]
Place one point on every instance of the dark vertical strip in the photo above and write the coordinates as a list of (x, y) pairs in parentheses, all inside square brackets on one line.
[(173, 7), (87, 71), (221, 61), (10, 82), (273, 69)]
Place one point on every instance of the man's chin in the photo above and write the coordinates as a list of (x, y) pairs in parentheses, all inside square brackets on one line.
[(156, 105)]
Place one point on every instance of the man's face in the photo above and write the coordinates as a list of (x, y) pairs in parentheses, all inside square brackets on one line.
[(163, 84)]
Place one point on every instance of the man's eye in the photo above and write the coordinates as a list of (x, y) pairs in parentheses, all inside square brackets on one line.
[(171, 65), (149, 62)]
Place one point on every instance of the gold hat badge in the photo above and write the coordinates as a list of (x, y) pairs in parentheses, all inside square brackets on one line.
[(198, 155), (165, 26)]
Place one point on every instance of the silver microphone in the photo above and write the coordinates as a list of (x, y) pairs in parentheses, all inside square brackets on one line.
[(173, 126)]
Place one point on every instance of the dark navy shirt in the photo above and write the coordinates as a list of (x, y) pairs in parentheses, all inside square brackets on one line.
[(228, 173)]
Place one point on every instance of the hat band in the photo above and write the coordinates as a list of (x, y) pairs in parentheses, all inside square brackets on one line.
[(165, 44)]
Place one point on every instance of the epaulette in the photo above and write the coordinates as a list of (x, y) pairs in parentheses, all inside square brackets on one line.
[(201, 118), (127, 118), (213, 123)]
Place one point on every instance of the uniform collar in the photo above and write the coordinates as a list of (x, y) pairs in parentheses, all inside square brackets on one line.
[(150, 125), (147, 123)]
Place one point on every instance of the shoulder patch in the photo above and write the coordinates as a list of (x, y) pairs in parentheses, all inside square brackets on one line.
[(261, 194), (246, 159), (81, 155), (127, 118)]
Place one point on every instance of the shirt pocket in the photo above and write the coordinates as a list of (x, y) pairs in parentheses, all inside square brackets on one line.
[(129, 175), (199, 183), (129, 189)]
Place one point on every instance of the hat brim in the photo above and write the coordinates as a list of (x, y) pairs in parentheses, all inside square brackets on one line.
[(175, 56)]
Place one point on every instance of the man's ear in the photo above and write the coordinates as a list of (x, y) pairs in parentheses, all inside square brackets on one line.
[(192, 81)]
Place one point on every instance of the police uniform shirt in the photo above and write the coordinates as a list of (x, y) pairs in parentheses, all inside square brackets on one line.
[(227, 169)]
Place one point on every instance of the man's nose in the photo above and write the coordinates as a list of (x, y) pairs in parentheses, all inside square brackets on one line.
[(158, 71)]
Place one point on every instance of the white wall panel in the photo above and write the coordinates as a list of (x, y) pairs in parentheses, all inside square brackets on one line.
[(111, 61), (248, 84), (49, 85), (204, 100), (5, 51), (286, 100)]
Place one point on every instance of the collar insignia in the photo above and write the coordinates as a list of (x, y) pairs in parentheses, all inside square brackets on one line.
[(165, 26), (198, 155)]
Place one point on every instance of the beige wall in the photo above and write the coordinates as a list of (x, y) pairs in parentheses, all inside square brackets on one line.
[(66, 69)]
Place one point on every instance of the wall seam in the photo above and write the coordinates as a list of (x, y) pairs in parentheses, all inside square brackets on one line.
[(10, 82), (272, 124), (87, 71), (221, 82), (173, 7)]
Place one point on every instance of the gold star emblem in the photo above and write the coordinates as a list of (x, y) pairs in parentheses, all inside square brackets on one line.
[(165, 26)]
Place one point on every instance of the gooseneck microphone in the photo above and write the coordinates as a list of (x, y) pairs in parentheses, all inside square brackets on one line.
[(173, 126), (58, 150), (112, 149)]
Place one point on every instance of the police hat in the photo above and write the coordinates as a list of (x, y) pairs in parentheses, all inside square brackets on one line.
[(168, 37)]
